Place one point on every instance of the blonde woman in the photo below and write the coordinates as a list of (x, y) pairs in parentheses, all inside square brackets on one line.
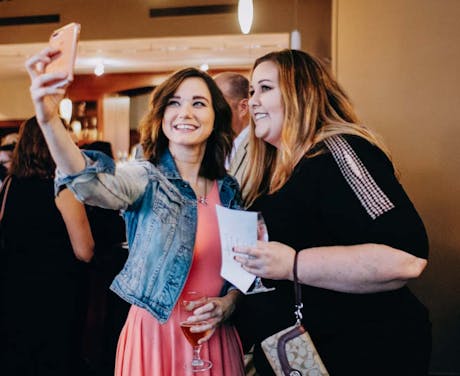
[(327, 190)]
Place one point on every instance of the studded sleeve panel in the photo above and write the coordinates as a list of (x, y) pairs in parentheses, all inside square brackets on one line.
[(372, 198)]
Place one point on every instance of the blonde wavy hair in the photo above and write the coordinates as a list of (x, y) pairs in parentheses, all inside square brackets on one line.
[(315, 108)]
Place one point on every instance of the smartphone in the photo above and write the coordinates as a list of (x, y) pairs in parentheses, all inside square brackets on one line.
[(64, 39)]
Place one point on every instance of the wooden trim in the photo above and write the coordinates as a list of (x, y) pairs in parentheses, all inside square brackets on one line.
[(11, 123)]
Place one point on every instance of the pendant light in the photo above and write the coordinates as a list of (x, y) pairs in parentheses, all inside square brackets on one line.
[(99, 69), (245, 15), (296, 39)]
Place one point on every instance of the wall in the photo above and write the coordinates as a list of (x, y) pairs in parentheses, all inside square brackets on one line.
[(137, 109), (116, 120), (15, 102), (398, 60)]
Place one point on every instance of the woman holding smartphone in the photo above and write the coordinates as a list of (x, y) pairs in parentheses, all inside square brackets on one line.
[(168, 202)]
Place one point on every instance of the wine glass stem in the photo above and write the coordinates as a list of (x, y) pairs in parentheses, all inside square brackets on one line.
[(196, 361)]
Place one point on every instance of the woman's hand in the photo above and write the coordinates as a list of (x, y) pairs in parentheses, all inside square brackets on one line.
[(271, 260), (45, 97), (214, 312)]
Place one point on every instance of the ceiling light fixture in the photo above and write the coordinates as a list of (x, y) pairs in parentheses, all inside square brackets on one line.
[(99, 69), (296, 38), (245, 15)]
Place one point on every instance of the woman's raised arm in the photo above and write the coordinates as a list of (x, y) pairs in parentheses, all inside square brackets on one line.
[(46, 100)]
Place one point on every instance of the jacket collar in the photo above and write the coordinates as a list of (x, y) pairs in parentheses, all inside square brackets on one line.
[(167, 166)]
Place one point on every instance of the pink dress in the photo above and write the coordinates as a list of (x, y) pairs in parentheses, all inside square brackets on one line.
[(148, 348)]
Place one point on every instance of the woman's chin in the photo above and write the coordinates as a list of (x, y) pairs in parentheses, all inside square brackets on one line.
[(261, 133)]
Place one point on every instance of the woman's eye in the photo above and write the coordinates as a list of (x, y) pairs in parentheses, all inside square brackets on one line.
[(199, 104), (265, 88), (173, 103), (251, 92)]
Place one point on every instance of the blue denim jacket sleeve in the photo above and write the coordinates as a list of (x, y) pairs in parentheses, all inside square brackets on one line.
[(102, 183)]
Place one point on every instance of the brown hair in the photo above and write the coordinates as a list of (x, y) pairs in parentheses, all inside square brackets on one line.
[(315, 108), (31, 156), (219, 143)]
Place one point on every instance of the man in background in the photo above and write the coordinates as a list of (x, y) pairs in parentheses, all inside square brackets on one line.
[(235, 88)]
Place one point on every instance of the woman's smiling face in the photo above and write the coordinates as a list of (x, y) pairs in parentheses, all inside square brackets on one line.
[(266, 104), (188, 119)]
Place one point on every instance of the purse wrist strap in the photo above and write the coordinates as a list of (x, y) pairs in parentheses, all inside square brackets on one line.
[(297, 292)]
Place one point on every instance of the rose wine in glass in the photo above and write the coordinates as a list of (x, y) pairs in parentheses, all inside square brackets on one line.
[(262, 234), (189, 302)]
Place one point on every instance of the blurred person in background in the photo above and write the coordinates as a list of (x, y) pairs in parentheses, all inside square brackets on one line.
[(46, 241), (6, 154), (235, 88), (10, 139)]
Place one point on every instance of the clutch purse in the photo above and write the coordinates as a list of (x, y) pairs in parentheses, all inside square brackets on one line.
[(291, 352)]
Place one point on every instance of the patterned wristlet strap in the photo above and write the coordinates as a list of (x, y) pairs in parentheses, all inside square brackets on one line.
[(297, 292)]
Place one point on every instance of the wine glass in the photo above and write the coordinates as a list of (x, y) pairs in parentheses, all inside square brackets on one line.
[(189, 302), (262, 234)]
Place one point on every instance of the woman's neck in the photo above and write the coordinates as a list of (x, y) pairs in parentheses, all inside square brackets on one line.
[(188, 162)]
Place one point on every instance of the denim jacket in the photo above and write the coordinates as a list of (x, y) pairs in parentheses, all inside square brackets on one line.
[(160, 212)]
